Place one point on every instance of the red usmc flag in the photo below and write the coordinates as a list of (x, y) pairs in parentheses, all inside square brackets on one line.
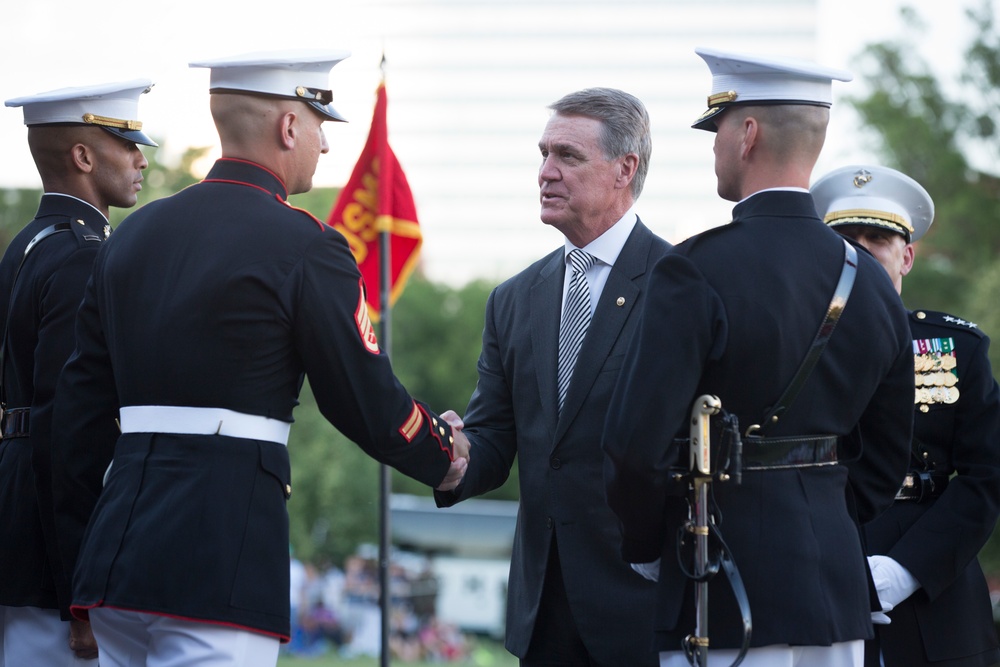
[(377, 198)]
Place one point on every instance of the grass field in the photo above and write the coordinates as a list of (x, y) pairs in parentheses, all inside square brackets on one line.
[(484, 653)]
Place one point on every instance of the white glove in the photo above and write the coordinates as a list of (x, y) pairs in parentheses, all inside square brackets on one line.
[(893, 582), (879, 618), (649, 571)]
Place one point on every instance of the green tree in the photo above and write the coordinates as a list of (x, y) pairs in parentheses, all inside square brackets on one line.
[(929, 131), (436, 333), (436, 339), (17, 208), (334, 501)]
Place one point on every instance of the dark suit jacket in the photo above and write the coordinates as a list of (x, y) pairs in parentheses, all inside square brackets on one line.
[(39, 312), (514, 412), (949, 620), (732, 312)]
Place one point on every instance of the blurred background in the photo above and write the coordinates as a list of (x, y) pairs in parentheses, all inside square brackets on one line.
[(468, 83)]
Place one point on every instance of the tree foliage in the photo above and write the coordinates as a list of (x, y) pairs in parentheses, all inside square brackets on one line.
[(334, 501), (435, 344), (437, 334), (938, 134)]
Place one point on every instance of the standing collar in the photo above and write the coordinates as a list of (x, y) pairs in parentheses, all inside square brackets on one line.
[(244, 172), (784, 201), (788, 188), (58, 202)]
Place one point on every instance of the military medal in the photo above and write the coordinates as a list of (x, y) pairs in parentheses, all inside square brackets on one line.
[(934, 373)]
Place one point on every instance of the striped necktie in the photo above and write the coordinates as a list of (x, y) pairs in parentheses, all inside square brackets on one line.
[(575, 318)]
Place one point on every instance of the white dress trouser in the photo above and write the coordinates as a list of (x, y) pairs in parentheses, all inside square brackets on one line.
[(844, 654), (135, 639), (36, 637)]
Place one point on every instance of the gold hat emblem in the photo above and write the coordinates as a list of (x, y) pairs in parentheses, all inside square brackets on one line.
[(862, 177), (118, 123), (722, 98)]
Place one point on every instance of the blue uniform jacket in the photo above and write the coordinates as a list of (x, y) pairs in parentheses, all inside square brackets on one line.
[(223, 296), (956, 433), (731, 313), (39, 313)]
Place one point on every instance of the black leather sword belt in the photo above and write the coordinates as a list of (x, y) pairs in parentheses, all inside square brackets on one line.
[(919, 486), (16, 422), (780, 453)]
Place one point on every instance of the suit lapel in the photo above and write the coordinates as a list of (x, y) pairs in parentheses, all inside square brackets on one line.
[(619, 297), (546, 303)]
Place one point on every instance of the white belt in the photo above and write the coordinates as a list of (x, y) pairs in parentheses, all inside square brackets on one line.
[(202, 421)]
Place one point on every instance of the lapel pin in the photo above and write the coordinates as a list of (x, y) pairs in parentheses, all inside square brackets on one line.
[(621, 301)]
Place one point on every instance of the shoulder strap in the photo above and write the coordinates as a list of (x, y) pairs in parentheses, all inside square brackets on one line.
[(833, 312), (40, 236)]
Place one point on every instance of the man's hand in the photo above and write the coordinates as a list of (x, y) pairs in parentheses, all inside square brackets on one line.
[(81, 640), (461, 444), (893, 583), (456, 473)]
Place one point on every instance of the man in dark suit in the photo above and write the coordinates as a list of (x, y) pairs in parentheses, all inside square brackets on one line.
[(204, 313), (85, 144), (923, 548), (571, 600), (732, 313)]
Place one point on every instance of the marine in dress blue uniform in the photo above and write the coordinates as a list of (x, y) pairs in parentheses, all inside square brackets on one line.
[(42, 277), (205, 312), (923, 549), (732, 313)]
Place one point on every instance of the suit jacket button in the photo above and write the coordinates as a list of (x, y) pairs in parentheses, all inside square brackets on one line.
[(555, 463), (548, 522)]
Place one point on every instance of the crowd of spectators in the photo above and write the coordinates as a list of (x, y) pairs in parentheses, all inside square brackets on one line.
[(337, 609)]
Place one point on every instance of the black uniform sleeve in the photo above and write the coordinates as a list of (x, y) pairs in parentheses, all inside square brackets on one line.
[(883, 439), (84, 431), (351, 377), (58, 305)]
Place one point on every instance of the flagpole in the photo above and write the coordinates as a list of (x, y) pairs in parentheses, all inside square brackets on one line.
[(374, 211), (385, 475)]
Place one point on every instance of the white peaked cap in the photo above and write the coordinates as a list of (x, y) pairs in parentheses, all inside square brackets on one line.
[(302, 74), (110, 106), (875, 196), (741, 79)]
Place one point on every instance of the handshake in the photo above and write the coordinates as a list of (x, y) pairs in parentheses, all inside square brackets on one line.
[(456, 473)]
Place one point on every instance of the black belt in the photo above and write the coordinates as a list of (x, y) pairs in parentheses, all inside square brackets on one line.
[(16, 422), (783, 452), (920, 486), (779, 453)]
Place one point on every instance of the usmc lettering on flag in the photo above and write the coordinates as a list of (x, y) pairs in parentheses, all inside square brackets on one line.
[(364, 323)]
